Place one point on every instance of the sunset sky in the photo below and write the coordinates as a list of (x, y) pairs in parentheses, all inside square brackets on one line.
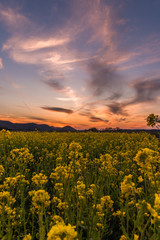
[(83, 63)]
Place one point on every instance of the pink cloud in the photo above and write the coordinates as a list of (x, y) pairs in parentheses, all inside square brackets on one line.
[(12, 18), (1, 63), (34, 43)]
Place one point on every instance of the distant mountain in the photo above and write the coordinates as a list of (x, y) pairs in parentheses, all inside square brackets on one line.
[(69, 129), (33, 126)]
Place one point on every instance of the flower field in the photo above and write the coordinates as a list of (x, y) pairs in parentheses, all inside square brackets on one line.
[(68, 186)]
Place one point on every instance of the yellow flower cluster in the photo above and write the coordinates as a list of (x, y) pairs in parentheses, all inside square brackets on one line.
[(60, 172), (12, 182), (21, 156), (119, 213), (61, 231), (5, 197), (28, 237), (123, 237), (136, 237), (157, 202), (127, 187), (91, 190), (105, 206), (59, 204), (40, 199), (56, 219), (149, 161), (59, 188), (1, 170), (39, 179), (80, 187), (107, 165), (6, 202)]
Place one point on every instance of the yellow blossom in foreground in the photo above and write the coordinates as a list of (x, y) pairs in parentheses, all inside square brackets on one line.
[(127, 186), (39, 179), (1, 170), (62, 231), (157, 202), (123, 238), (140, 179), (27, 237), (6, 197), (57, 219), (136, 237), (119, 213), (40, 199)]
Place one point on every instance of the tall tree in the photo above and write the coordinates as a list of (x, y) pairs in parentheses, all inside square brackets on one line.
[(153, 120)]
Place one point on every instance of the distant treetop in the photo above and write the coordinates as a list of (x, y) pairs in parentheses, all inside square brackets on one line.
[(153, 120)]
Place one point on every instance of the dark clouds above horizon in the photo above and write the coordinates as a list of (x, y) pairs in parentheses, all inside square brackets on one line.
[(58, 109), (105, 79)]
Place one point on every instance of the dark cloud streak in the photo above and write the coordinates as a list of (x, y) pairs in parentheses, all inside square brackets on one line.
[(97, 119), (58, 109), (146, 90), (55, 84), (117, 108), (37, 118), (105, 79)]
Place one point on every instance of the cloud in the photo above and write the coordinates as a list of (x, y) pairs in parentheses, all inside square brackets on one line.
[(89, 16), (59, 46), (121, 119), (146, 90), (104, 79), (55, 84), (58, 109), (34, 43), (97, 119), (92, 118), (36, 118), (12, 18), (117, 108), (1, 63)]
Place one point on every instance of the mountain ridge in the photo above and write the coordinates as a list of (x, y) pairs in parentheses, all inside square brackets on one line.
[(33, 127)]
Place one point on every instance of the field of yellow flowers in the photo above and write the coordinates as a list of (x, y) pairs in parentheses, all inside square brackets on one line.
[(93, 186)]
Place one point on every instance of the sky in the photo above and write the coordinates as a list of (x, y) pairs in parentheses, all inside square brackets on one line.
[(83, 63)]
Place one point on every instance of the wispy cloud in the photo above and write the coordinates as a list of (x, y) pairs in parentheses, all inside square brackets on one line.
[(34, 43), (97, 119), (105, 79), (36, 118), (56, 83), (58, 109), (117, 108), (92, 117), (147, 90), (89, 16), (12, 18), (1, 63)]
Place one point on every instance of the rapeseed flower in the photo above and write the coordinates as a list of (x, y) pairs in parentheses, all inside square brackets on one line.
[(123, 237), (157, 202), (127, 187), (27, 237), (1, 170), (62, 231), (39, 179), (40, 199)]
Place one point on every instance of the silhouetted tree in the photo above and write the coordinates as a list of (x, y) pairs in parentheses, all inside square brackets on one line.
[(153, 120)]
